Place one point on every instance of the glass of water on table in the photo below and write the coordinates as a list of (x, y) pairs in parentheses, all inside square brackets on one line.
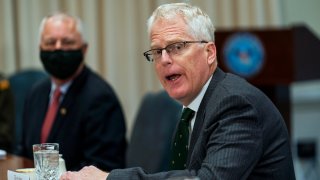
[(46, 161)]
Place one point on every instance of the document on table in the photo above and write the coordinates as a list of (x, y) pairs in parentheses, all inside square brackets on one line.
[(17, 176)]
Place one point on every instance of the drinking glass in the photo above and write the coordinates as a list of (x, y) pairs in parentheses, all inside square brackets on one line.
[(62, 165), (46, 161)]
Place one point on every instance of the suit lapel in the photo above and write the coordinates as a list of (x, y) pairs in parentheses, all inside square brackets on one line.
[(68, 103), (201, 114), (42, 106)]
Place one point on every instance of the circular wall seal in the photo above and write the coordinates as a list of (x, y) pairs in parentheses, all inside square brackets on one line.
[(244, 54)]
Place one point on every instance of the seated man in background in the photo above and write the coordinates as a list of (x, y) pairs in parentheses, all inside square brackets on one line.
[(6, 115), (74, 107), (229, 129)]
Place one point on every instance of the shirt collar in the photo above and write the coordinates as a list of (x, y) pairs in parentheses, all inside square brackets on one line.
[(195, 104), (63, 88)]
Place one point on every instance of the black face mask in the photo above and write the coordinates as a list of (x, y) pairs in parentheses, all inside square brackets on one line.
[(61, 64)]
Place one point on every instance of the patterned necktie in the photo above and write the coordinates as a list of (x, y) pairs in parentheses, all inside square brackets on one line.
[(50, 116), (181, 141)]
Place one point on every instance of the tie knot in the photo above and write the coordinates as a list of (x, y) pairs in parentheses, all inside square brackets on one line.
[(57, 93), (187, 115)]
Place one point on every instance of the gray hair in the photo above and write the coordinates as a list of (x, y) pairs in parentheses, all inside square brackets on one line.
[(198, 22), (63, 16)]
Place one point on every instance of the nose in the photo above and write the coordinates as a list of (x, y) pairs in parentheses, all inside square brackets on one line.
[(58, 45), (165, 57)]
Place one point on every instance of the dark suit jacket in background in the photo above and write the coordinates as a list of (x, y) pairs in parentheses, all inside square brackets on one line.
[(89, 126), (238, 134), (6, 115)]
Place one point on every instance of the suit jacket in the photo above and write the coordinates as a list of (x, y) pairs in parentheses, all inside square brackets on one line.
[(238, 134), (89, 125), (6, 115)]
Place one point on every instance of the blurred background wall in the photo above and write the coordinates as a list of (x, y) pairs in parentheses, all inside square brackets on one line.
[(117, 37)]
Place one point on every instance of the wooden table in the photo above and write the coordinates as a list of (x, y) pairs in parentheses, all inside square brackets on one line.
[(13, 162)]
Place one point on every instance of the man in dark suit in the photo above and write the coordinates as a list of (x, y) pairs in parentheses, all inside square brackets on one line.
[(236, 132), (88, 123), (6, 115)]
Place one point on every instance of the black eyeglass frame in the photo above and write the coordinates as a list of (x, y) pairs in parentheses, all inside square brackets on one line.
[(146, 54)]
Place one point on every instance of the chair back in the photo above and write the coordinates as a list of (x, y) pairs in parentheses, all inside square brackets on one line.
[(20, 83), (150, 142)]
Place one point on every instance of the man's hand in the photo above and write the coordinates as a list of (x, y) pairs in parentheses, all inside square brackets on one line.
[(86, 173)]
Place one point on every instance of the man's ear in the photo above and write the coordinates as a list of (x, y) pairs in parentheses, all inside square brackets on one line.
[(211, 53), (84, 48)]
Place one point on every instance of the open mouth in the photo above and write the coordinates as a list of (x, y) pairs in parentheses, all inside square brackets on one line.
[(173, 77)]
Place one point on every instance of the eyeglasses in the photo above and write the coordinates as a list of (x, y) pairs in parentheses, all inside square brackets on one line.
[(172, 49)]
